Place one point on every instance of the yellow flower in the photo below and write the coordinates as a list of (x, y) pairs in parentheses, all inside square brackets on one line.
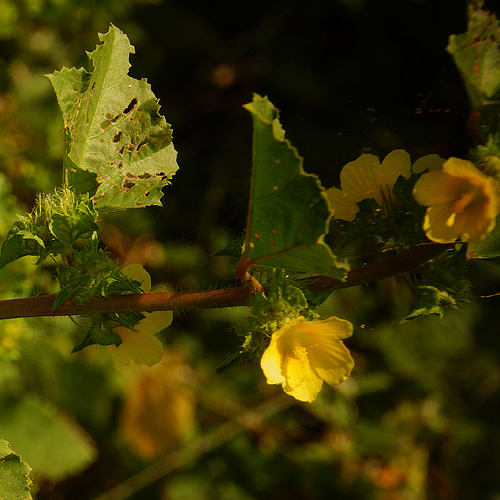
[(302, 354), (366, 178), (462, 202), (141, 344)]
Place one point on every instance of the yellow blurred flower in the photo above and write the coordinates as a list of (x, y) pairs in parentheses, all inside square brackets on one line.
[(462, 202), (158, 413), (366, 178), (141, 344), (304, 354)]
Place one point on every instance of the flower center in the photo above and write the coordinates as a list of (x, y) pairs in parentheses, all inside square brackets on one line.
[(300, 353), (474, 195)]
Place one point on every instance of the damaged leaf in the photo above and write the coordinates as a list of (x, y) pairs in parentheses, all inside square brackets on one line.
[(118, 147)]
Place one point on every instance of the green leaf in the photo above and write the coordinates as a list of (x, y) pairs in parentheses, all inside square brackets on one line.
[(85, 342), (51, 443), (73, 284), (431, 300), (14, 475), (118, 147), (288, 213), (103, 336), (78, 222), (477, 56), (20, 241)]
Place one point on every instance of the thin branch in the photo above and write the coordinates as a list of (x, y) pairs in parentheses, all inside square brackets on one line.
[(211, 299), (248, 419)]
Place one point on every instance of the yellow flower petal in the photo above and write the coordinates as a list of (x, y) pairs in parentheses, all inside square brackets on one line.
[(345, 207), (396, 163), (139, 346), (138, 273), (429, 162), (365, 178), (463, 168), (359, 178), (331, 359), (271, 364), (462, 202), (301, 383), (302, 354), (155, 322), (436, 188)]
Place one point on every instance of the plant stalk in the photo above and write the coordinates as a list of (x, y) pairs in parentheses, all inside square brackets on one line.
[(211, 299)]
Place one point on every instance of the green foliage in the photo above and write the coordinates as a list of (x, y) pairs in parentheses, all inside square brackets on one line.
[(288, 212), (477, 56), (431, 300), (14, 475), (419, 389), (118, 147), (58, 223), (51, 443)]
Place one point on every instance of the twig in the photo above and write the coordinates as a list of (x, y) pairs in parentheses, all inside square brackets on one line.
[(210, 299)]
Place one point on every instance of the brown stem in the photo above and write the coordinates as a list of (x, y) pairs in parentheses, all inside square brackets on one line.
[(397, 264), (210, 299)]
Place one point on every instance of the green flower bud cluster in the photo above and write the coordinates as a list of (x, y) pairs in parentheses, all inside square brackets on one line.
[(59, 223)]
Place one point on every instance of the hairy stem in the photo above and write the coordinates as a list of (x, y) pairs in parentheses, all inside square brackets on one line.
[(210, 299)]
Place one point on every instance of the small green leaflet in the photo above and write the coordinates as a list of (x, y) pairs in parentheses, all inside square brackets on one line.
[(477, 55), (14, 475), (288, 212), (118, 147), (431, 300)]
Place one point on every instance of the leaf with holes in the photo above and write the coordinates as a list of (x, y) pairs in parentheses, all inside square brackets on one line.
[(118, 147), (288, 213), (477, 55)]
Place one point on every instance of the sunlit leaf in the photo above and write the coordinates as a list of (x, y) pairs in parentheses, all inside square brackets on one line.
[(477, 56), (20, 241), (118, 147), (288, 211)]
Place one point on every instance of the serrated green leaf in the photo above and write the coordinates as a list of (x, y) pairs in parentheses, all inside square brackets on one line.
[(118, 147), (20, 242), (14, 475), (477, 55), (51, 443), (288, 213), (80, 222)]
